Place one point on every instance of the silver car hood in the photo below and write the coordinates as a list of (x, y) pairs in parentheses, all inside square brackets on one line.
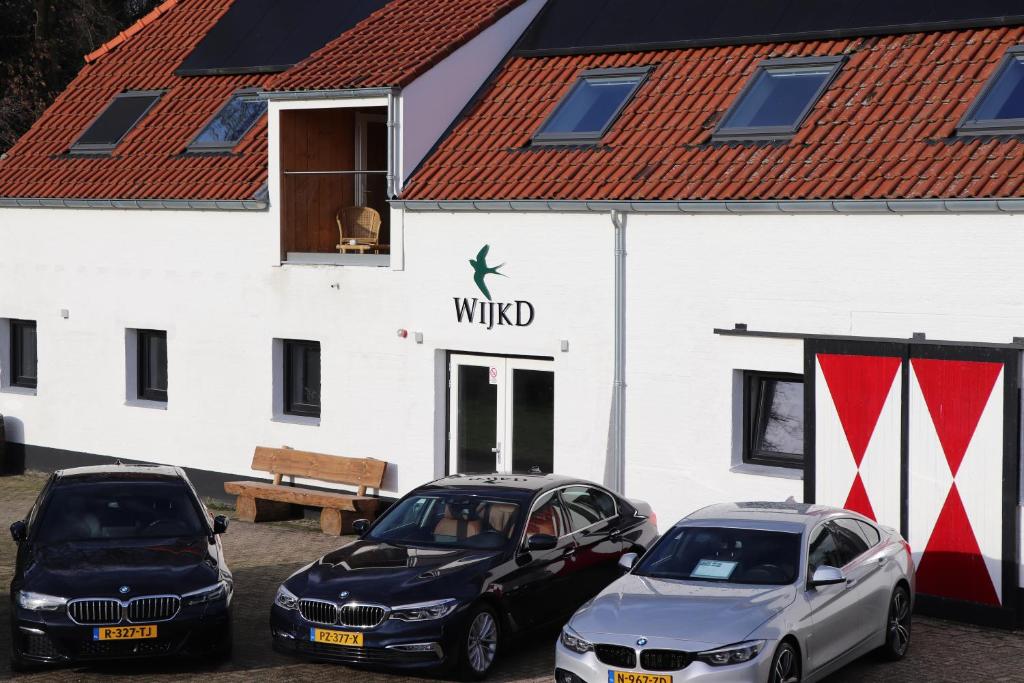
[(691, 611)]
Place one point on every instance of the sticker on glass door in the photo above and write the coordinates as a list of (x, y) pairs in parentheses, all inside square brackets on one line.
[(501, 415)]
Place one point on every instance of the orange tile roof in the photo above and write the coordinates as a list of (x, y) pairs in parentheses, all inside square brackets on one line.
[(390, 47), (395, 44), (883, 129)]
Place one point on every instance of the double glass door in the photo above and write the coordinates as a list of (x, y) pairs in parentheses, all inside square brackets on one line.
[(501, 415)]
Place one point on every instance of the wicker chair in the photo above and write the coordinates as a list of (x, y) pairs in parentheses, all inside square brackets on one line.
[(358, 229)]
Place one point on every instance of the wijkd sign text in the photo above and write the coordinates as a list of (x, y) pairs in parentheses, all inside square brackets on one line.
[(494, 313)]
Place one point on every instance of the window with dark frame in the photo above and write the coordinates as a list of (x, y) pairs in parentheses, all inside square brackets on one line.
[(999, 109), (777, 98), (302, 378), (591, 106), (24, 357), (230, 124), (773, 419), (152, 347), (117, 119)]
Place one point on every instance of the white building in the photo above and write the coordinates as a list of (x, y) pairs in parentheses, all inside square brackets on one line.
[(630, 259)]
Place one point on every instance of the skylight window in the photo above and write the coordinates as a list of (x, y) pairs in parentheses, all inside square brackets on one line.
[(230, 124), (119, 117), (1000, 107), (591, 107), (776, 100)]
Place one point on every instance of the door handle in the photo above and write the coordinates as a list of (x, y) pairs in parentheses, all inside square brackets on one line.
[(497, 451)]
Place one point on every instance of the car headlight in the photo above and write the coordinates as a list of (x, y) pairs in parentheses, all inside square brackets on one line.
[(732, 654), (218, 591), (285, 598), (39, 602), (425, 611), (575, 642)]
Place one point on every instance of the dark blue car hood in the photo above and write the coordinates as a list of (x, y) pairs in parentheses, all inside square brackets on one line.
[(390, 574), (100, 568)]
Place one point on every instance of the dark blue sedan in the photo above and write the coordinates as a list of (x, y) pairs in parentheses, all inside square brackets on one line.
[(457, 566)]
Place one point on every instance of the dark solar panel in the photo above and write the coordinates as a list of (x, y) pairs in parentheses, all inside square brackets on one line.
[(567, 26), (264, 36), (120, 116)]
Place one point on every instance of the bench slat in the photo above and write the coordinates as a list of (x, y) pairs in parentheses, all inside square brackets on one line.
[(302, 496), (361, 472)]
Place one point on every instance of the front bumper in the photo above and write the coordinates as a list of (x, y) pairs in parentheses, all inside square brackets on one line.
[(385, 646), (52, 638), (587, 669)]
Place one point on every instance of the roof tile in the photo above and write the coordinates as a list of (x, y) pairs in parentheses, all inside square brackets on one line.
[(884, 129)]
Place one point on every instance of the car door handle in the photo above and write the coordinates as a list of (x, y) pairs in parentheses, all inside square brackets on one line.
[(570, 552)]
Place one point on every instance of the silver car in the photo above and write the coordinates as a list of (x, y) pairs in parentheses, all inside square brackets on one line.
[(765, 592)]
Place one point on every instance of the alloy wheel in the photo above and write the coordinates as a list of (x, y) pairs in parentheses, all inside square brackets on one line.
[(482, 642), (899, 622), (786, 669)]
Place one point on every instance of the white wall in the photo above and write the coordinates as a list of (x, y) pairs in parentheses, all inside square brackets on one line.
[(955, 277), (432, 101), (212, 280)]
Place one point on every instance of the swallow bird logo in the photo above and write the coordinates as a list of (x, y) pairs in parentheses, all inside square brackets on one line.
[(482, 270)]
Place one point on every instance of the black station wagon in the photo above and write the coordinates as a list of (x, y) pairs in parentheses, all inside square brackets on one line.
[(117, 562)]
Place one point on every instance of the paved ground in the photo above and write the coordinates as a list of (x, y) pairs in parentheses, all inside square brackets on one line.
[(262, 555)]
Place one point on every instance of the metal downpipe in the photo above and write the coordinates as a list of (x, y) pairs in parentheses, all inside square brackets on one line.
[(618, 470)]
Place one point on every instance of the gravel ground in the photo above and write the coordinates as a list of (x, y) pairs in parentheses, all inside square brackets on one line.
[(261, 556)]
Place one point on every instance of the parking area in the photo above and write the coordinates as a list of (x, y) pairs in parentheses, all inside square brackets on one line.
[(262, 555)]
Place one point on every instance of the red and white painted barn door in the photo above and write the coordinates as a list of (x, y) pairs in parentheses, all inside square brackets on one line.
[(858, 432), (960, 436), (923, 438)]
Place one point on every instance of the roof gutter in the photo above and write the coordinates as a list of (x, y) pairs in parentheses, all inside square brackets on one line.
[(810, 206), (150, 204), (350, 93)]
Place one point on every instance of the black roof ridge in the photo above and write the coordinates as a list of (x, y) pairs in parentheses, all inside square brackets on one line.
[(800, 36)]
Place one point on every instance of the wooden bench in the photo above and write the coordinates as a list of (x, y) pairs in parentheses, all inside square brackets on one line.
[(265, 501)]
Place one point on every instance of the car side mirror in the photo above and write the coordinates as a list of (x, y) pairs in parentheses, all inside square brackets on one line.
[(827, 576), (19, 531), (627, 561), (361, 526), (541, 542), (220, 524)]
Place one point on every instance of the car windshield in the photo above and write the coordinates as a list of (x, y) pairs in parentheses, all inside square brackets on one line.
[(724, 555), (449, 520), (122, 510)]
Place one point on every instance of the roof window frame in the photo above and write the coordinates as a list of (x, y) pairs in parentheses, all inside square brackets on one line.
[(771, 133), (199, 148), (969, 126), (91, 149), (540, 138)]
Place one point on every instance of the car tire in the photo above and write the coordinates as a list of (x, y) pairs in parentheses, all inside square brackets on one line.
[(897, 626), (785, 665), (478, 643)]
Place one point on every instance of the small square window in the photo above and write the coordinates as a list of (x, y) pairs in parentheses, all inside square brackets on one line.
[(152, 365), (24, 357), (777, 99), (119, 117), (302, 378), (591, 106), (230, 124), (773, 419), (999, 109)]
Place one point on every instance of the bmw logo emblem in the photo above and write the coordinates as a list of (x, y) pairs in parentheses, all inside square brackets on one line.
[(343, 594), (641, 641), (123, 590)]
